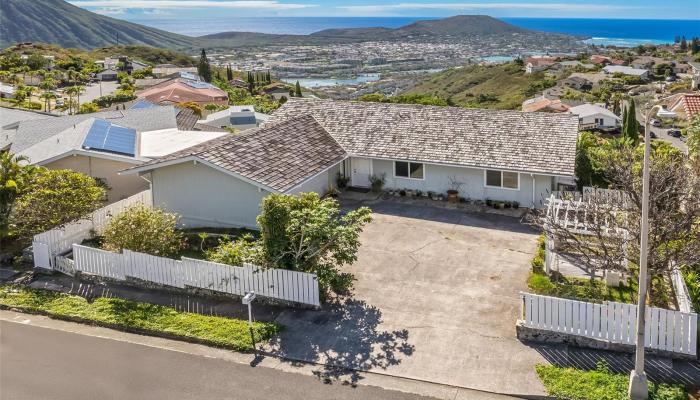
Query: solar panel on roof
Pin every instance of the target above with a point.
(104, 136)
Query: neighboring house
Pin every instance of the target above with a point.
(101, 144)
(598, 59)
(489, 154)
(171, 71)
(647, 62)
(238, 83)
(184, 90)
(615, 69)
(686, 105)
(538, 63)
(108, 75)
(238, 117)
(578, 83)
(10, 118)
(595, 116)
(544, 104)
(277, 91)
(7, 92)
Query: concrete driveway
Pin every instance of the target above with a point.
(436, 299)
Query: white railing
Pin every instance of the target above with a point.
(49, 244)
(682, 296)
(667, 330)
(299, 287)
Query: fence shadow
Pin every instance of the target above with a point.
(345, 337)
(658, 369)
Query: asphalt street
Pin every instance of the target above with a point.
(41, 363)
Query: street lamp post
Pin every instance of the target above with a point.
(639, 386)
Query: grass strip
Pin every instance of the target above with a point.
(139, 317)
(599, 384)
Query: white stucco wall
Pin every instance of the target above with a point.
(121, 186)
(607, 120)
(437, 179)
(206, 197)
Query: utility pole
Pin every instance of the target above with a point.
(639, 385)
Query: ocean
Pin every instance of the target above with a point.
(622, 32)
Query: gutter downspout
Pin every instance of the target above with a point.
(533, 190)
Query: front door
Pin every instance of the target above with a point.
(361, 170)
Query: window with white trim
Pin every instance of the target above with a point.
(502, 179)
(409, 170)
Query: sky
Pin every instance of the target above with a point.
(628, 9)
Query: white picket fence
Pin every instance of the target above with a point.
(47, 245)
(668, 330)
(299, 287)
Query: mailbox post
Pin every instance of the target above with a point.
(248, 300)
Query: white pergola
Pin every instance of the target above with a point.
(573, 212)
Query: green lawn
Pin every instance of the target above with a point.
(220, 331)
(580, 289)
(599, 384)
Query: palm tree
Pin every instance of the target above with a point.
(47, 85)
(74, 91)
(47, 96)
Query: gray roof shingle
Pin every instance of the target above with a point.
(280, 156)
(32, 132)
(500, 139)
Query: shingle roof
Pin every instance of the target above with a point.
(512, 140)
(280, 156)
(145, 119)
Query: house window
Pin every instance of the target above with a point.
(502, 179)
(410, 170)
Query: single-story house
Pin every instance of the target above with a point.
(306, 144)
(171, 71)
(686, 105)
(538, 63)
(544, 104)
(578, 83)
(102, 144)
(595, 116)
(107, 75)
(238, 117)
(184, 90)
(621, 69)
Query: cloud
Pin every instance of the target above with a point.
(112, 5)
(551, 7)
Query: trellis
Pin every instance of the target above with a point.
(573, 211)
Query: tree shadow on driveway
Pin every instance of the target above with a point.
(344, 336)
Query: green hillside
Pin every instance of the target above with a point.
(503, 86)
(58, 22)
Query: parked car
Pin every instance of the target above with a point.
(652, 135)
(671, 79)
(655, 122)
(674, 133)
(59, 102)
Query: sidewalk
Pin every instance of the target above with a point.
(222, 307)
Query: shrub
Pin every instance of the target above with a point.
(377, 182)
(144, 229)
(236, 252)
(87, 108)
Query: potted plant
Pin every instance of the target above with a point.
(341, 181)
(453, 192)
(402, 192)
(376, 182)
(516, 204)
(488, 202)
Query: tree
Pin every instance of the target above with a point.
(695, 45)
(684, 44)
(693, 134)
(309, 234)
(203, 68)
(15, 177)
(53, 199)
(47, 96)
(297, 90)
(229, 73)
(630, 127)
(586, 175)
(614, 222)
(144, 229)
